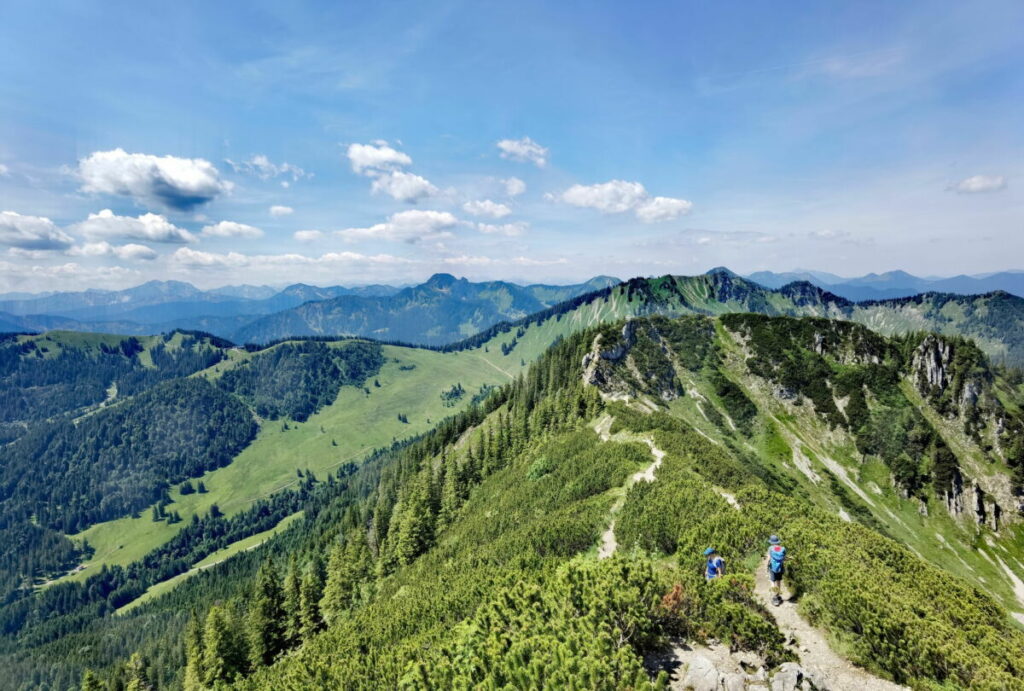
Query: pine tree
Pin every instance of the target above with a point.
(311, 592)
(415, 527)
(265, 624)
(193, 655)
(292, 619)
(223, 650)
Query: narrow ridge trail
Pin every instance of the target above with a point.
(608, 542)
(826, 667)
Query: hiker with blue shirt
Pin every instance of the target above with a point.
(776, 567)
(716, 565)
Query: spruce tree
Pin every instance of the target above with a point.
(265, 623)
(337, 591)
(193, 655)
(292, 619)
(311, 592)
(135, 674)
(90, 682)
(223, 649)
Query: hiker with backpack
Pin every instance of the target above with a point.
(715, 568)
(776, 567)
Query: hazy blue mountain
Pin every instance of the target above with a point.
(896, 284)
(442, 310)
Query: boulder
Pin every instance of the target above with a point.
(788, 677)
(701, 675)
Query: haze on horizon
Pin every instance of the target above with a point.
(322, 144)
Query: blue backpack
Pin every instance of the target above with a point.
(776, 555)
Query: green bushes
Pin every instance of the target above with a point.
(894, 612)
(582, 629)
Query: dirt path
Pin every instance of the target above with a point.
(608, 542)
(829, 670)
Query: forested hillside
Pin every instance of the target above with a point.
(469, 556)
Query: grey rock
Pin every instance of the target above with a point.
(701, 675)
(788, 677)
(734, 682)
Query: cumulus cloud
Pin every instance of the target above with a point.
(129, 252)
(618, 196)
(384, 164)
(486, 208)
(378, 157)
(662, 209)
(514, 186)
(277, 211)
(509, 229)
(178, 183)
(31, 232)
(4, 171)
(263, 168)
(980, 183)
(151, 227)
(231, 229)
(405, 226)
(525, 150)
(308, 235)
(405, 187)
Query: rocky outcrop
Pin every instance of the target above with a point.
(972, 503)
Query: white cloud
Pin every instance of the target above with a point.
(405, 187)
(178, 183)
(662, 209)
(151, 227)
(129, 252)
(230, 229)
(4, 171)
(618, 196)
(980, 183)
(524, 149)
(467, 260)
(514, 187)
(611, 197)
(377, 157)
(260, 166)
(69, 276)
(509, 229)
(532, 261)
(308, 235)
(186, 256)
(277, 211)
(486, 208)
(406, 226)
(31, 232)
(197, 258)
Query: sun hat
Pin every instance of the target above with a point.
(774, 540)
(709, 550)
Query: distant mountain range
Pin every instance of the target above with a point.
(439, 311)
(896, 284)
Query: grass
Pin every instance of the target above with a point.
(357, 422)
(251, 542)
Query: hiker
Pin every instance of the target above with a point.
(776, 567)
(716, 565)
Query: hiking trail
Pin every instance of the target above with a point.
(608, 542)
(823, 665)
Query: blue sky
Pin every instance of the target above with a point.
(381, 142)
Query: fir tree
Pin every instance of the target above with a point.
(265, 624)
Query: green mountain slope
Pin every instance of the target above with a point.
(438, 312)
(471, 556)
